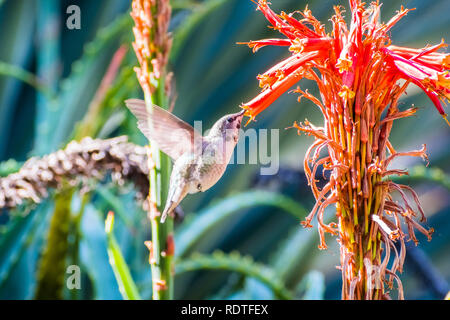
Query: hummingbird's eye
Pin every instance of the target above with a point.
(230, 120)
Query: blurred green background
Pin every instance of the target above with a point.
(264, 252)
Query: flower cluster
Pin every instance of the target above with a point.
(360, 76)
(152, 40)
(361, 54)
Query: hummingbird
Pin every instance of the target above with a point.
(199, 161)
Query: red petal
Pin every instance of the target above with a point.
(412, 69)
(268, 96)
(299, 27)
(275, 20)
(258, 44)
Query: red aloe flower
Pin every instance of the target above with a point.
(347, 52)
(358, 73)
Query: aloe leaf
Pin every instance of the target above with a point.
(18, 73)
(256, 290)
(252, 289)
(18, 19)
(184, 4)
(422, 173)
(236, 263)
(17, 237)
(106, 111)
(94, 256)
(78, 89)
(191, 233)
(20, 280)
(116, 205)
(8, 167)
(312, 286)
(48, 66)
(293, 257)
(182, 33)
(126, 284)
(13, 241)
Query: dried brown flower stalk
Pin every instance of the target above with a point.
(78, 162)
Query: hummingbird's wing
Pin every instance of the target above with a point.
(172, 135)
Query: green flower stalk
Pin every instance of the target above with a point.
(152, 46)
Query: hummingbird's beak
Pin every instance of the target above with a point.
(238, 115)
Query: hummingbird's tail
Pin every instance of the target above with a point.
(173, 200)
(170, 206)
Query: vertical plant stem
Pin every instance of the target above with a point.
(53, 262)
(152, 46)
(75, 225)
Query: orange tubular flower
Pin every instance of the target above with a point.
(349, 51)
(358, 73)
(152, 41)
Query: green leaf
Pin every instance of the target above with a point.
(47, 65)
(422, 173)
(18, 73)
(236, 263)
(126, 284)
(293, 257)
(191, 233)
(199, 12)
(94, 255)
(8, 167)
(78, 89)
(312, 286)
(184, 4)
(17, 24)
(17, 236)
(116, 205)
